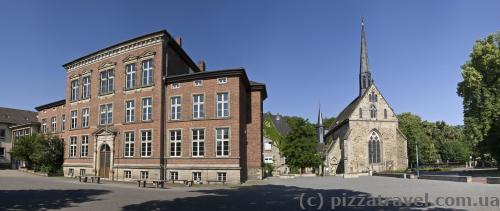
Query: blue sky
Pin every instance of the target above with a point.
(306, 52)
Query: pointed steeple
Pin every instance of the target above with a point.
(365, 78)
(321, 129)
(320, 117)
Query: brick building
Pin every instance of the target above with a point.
(143, 109)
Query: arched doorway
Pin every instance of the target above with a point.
(104, 161)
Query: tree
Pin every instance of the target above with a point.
(24, 148)
(41, 153)
(300, 144)
(480, 90)
(411, 126)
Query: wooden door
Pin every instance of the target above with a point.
(104, 161)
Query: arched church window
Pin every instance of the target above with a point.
(385, 113)
(373, 111)
(360, 113)
(374, 148)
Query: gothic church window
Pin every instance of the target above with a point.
(373, 111)
(360, 113)
(385, 113)
(374, 148)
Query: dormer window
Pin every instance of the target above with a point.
(221, 80)
(176, 85)
(198, 83)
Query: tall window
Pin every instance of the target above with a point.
(74, 90)
(175, 108)
(147, 72)
(2, 134)
(198, 106)
(130, 111)
(130, 76)
(72, 146)
(146, 141)
(44, 125)
(198, 142)
(107, 81)
(197, 176)
(360, 113)
(374, 148)
(106, 112)
(147, 109)
(175, 143)
(222, 141)
(222, 105)
(174, 175)
(74, 119)
(373, 111)
(2, 152)
(85, 117)
(129, 144)
(86, 87)
(221, 176)
(63, 122)
(53, 124)
(144, 174)
(85, 146)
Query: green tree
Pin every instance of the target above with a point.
(40, 152)
(24, 148)
(412, 127)
(300, 144)
(480, 90)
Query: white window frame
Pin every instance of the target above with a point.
(198, 106)
(268, 146)
(107, 111)
(144, 175)
(147, 72)
(175, 143)
(175, 107)
(147, 109)
(198, 83)
(107, 81)
(74, 119)
(222, 80)
(86, 87)
(63, 122)
(146, 143)
(224, 102)
(85, 117)
(268, 159)
(53, 124)
(72, 146)
(130, 75)
(196, 175)
(173, 175)
(127, 174)
(198, 142)
(221, 176)
(130, 111)
(44, 125)
(129, 145)
(175, 86)
(84, 150)
(223, 142)
(74, 90)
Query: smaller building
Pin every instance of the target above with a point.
(9, 120)
(275, 130)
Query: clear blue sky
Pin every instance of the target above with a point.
(305, 51)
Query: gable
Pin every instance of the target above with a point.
(378, 102)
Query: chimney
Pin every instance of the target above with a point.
(178, 40)
(202, 66)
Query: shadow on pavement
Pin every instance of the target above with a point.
(45, 199)
(279, 198)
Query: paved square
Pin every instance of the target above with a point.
(22, 191)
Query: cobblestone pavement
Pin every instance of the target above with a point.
(23, 191)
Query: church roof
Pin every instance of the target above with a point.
(344, 115)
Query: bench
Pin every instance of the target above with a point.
(159, 183)
(141, 183)
(95, 178)
(184, 181)
(216, 181)
(82, 178)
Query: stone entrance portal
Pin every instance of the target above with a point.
(105, 161)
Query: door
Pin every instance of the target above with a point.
(104, 161)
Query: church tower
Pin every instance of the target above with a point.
(321, 129)
(365, 76)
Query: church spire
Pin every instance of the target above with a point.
(365, 78)
(321, 129)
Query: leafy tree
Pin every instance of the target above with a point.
(270, 131)
(42, 153)
(328, 122)
(24, 148)
(411, 126)
(480, 92)
(300, 144)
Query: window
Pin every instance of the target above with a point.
(176, 85)
(175, 108)
(385, 113)
(72, 146)
(2, 134)
(85, 146)
(373, 97)
(130, 76)
(86, 87)
(53, 124)
(197, 176)
(360, 113)
(82, 172)
(198, 83)
(374, 148)
(147, 109)
(106, 116)
(221, 176)
(71, 172)
(130, 111)
(268, 146)
(174, 175)
(222, 141)
(147, 72)
(373, 111)
(222, 80)
(74, 119)
(144, 174)
(63, 122)
(74, 90)
(198, 106)
(146, 140)
(107, 81)
(129, 144)
(222, 105)
(268, 159)
(175, 143)
(128, 174)
(2, 152)
(44, 125)
(198, 142)
(85, 117)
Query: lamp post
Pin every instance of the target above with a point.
(416, 151)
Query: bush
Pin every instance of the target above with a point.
(41, 153)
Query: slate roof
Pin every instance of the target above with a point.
(51, 105)
(280, 124)
(17, 116)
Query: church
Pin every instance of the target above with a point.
(365, 135)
